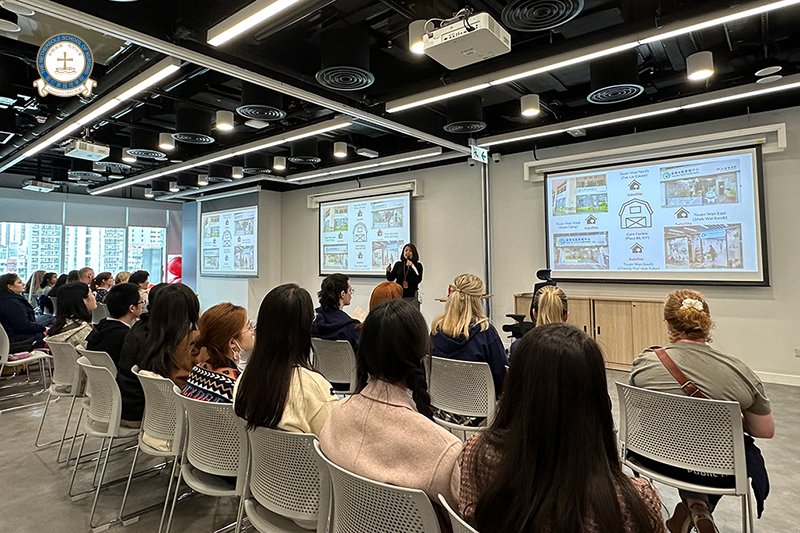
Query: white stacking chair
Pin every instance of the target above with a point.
(695, 434)
(99, 359)
(54, 299)
(36, 357)
(462, 388)
(458, 523)
(102, 421)
(336, 361)
(361, 504)
(99, 313)
(163, 419)
(215, 448)
(284, 482)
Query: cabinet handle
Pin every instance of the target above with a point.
(584, 329)
(598, 330)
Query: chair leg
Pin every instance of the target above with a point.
(102, 475)
(169, 488)
(174, 498)
(74, 436)
(750, 512)
(66, 428)
(128, 484)
(41, 422)
(97, 462)
(77, 463)
(240, 514)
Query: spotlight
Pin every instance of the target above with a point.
(173, 186)
(340, 150)
(202, 180)
(279, 162)
(237, 173)
(529, 105)
(700, 66)
(165, 141)
(415, 32)
(128, 158)
(148, 193)
(224, 120)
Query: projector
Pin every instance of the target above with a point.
(39, 186)
(86, 150)
(465, 42)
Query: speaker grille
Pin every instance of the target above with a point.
(539, 15)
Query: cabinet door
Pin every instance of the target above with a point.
(613, 331)
(649, 328)
(522, 305)
(580, 314)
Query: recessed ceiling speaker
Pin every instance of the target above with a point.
(465, 115)
(256, 163)
(193, 126)
(82, 170)
(539, 15)
(305, 152)
(259, 103)
(143, 145)
(615, 79)
(345, 60)
(218, 173)
(187, 180)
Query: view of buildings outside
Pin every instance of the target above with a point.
(25, 248)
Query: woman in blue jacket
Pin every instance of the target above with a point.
(17, 315)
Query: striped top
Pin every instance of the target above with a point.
(211, 384)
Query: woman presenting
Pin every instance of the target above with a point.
(407, 273)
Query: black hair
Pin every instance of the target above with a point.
(8, 279)
(71, 306)
(414, 252)
(140, 276)
(73, 276)
(46, 277)
(394, 340)
(173, 317)
(555, 418)
(152, 294)
(331, 291)
(60, 282)
(283, 342)
(120, 298)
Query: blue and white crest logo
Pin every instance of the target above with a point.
(65, 63)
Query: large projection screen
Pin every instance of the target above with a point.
(362, 236)
(229, 242)
(689, 219)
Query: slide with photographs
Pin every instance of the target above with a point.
(229, 242)
(361, 236)
(658, 220)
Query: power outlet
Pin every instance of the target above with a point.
(797, 351)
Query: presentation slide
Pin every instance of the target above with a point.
(361, 236)
(689, 219)
(229, 242)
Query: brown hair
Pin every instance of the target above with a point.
(216, 327)
(388, 290)
(99, 279)
(684, 318)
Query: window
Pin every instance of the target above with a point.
(146, 250)
(103, 249)
(25, 248)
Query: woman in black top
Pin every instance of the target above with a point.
(407, 273)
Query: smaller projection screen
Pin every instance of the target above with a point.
(229, 242)
(688, 219)
(362, 236)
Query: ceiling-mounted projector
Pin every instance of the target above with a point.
(467, 41)
(86, 150)
(38, 186)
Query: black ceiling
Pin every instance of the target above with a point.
(292, 47)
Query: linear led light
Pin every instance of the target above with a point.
(383, 161)
(289, 136)
(243, 20)
(739, 96)
(580, 56)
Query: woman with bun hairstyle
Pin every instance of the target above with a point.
(720, 377)
(100, 285)
(407, 273)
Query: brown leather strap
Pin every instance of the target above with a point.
(689, 388)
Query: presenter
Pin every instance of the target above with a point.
(407, 273)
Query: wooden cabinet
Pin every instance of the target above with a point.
(580, 313)
(613, 331)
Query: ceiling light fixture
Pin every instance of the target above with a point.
(202, 180)
(237, 173)
(363, 165)
(700, 66)
(166, 142)
(415, 32)
(224, 120)
(241, 21)
(529, 105)
(340, 150)
(173, 186)
(19, 9)
(279, 163)
(769, 71)
(148, 192)
(126, 157)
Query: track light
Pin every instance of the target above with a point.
(148, 193)
(415, 32)
(529, 105)
(202, 180)
(241, 21)
(700, 66)
(237, 173)
(224, 120)
(126, 157)
(173, 186)
(279, 163)
(340, 150)
(166, 142)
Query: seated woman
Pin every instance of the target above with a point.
(549, 460)
(33, 287)
(719, 376)
(122, 277)
(100, 285)
(48, 281)
(297, 398)
(141, 278)
(549, 306)
(386, 430)
(331, 322)
(463, 332)
(17, 315)
(73, 316)
(387, 290)
(224, 332)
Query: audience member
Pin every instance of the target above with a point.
(48, 281)
(463, 332)
(122, 277)
(46, 311)
(331, 323)
(549, 307)
(719, 376)
(73, 316)
(86, 275)
(386, 430)
(297, 398)
(17, 315)
(387, 290)
(60, 282)
(101, 284)
(549, 460)
(33, 287)
(72, 276)
(223, 332)
(124, 307)
(141, 278)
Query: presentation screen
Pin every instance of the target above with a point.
(229, 242)
(362, 236)
(689, 219)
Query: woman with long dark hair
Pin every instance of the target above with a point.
(74, 315)
(297, 398)
(549, 460)
(386, 430)
(407, 272)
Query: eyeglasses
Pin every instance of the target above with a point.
(141, 302)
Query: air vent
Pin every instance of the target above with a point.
(219, 173)
(465, 115)
(255, 163)
(261, 104)
(539, 15)
(615, 79)
(146, 153)
(193, 126)
(143, 145)
(82, 170)
(305, 152)
(345, 60)
(113, 166)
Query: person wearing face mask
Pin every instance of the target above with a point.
(331, 322)
(407, 273)
(224, 332)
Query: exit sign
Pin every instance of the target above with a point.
(481, 155)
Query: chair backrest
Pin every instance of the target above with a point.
(105, 402)
(99, 313)
(463, 388)
(284, 474)
(691, 433)
(54, 299)
(99, 359)
(335, 360)
(65, 360)
(458, 523)
(217, 442)
(163, 412)
(361, 504)
(5, 345)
